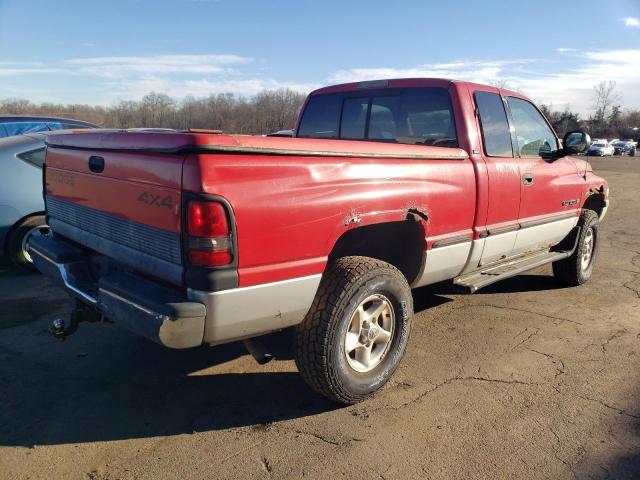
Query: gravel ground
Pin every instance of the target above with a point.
(525, 379)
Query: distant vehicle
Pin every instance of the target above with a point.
(18, 124)
(631, 141)
(21, 203)
(621, 147)
(601, 148)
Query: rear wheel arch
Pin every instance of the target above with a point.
(399, 243)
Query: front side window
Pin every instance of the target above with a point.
(535, 137)
(415, 116)
(34, 157)
(495, 126)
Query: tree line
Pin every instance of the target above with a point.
(266, 112)
(272, 110)
(608, 120)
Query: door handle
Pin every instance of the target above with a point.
(527, 179)
(96, 164)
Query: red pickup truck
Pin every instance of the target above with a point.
(192, 238)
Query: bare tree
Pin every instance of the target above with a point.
(605, 96)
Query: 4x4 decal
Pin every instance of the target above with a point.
(157, 200)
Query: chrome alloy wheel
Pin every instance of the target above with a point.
(587, 249)
(370, 333)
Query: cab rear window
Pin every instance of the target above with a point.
(415, 116)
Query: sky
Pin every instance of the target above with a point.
(103, 51)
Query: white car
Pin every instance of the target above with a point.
(601, 148)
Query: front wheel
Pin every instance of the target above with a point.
(578, 268)
(357, 330)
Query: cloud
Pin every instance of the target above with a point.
(113, 67)
(631, 22)
(15, 71)
(134, 89)
(563, 87)
(471, 70)
(565, 78)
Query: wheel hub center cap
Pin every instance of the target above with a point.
(372, 333)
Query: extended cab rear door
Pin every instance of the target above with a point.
(503, 172)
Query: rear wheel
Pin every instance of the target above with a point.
(19, 240)
(355, 335)
(577, 269)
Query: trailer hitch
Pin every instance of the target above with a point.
(61, 329)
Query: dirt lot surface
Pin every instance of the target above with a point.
(525, 379)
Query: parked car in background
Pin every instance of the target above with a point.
(631, 141)
(18, 124)
(621, 147)
(601, 148)
(21, 203)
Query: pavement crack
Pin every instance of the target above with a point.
(451, 380)
(554, 359)
(599, 401)
(496, 380)
(266, 464)
(326, 439)
(633, 289)
(556, 454)
(613, 336)
(527, 338)
(560, 320)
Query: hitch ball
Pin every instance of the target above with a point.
(57, 329)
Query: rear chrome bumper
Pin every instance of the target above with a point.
(144, 307)
(166, 316)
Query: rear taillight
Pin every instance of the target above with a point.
(209, 236)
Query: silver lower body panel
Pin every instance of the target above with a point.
(246, 312)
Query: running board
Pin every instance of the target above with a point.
(494, 273)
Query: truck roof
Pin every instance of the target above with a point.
(406, 83)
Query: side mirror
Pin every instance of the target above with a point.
(576, 142)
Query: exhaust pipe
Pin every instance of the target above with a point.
(258, 350)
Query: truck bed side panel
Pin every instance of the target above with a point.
(290, 210)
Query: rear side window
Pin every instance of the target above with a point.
(321, 117)
(495, 127)
(417, 116)
(535, 137)
(34, 157)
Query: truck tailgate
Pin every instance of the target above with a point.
(124, 204)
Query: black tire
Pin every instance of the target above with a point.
(16, 241)
(572, 270)
(319, 341)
